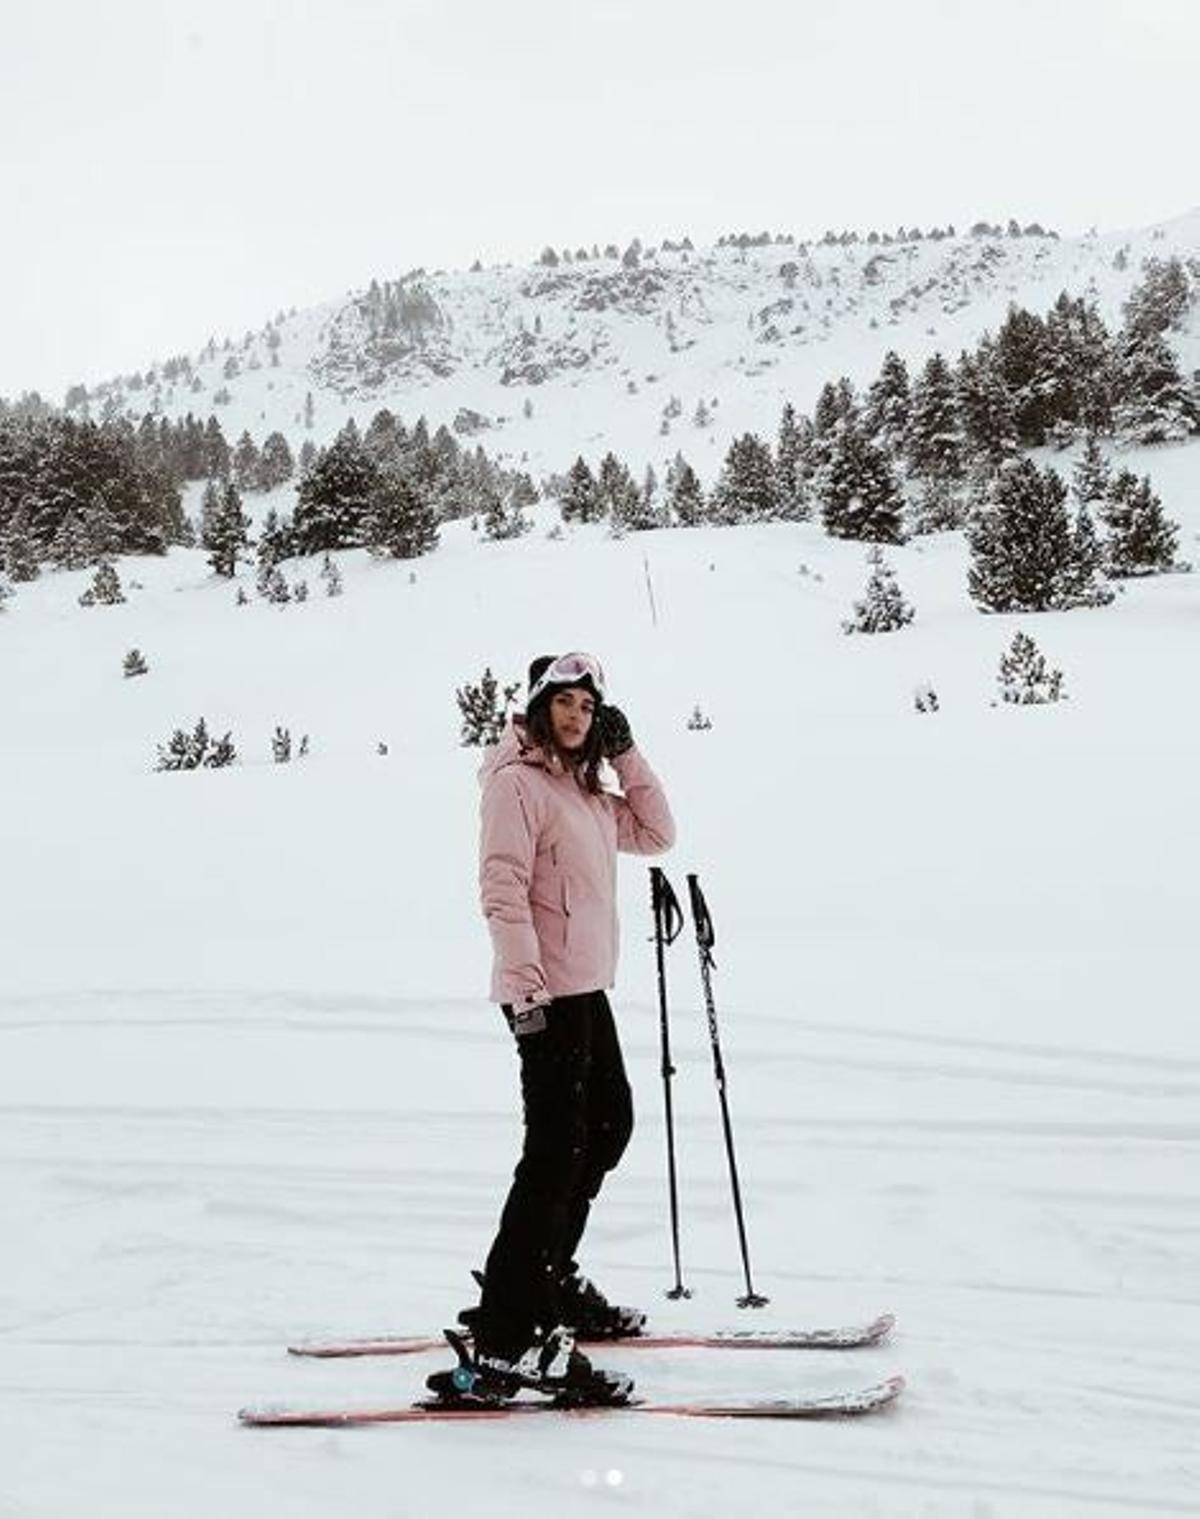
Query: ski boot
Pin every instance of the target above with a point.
(589, 1313)
(551, 1365)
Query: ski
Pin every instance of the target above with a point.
(866, 1400)
(849, 1338)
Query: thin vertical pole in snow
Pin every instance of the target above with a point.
(650, 590)
(705, 941)
(668, 925)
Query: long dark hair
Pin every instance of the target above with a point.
(584, 761)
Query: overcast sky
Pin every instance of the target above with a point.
(178, 170)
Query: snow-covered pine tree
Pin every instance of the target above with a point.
(837, 407)
(1079, 368)
(933, 440)
(275, 539)
(228, 533)
(331, 576)
(1154, 402)
(1142, 540)
(580, 500)
(501, 518)
(1024, 555)
(281, 745)
(105, 589)
(883, 608)
(247, 463)
(746, 489)
(18, 551)
(857, 489)
(190, 751)
(6, 590)
(484, 710)
(1092, 476)
(1085, 585)
(403, 523)
(887, 403)
(134, 664)
(335, 498)
(986, 408)
(1025, 678)
(685, 495)
(1160, 302)
(617, 493)
(791, 494)
(271, 584)
(941, 506)
(1020, 354)
(276, 465)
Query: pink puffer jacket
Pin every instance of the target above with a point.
(548, 867)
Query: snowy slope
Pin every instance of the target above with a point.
(250, 1088)
(600, 353)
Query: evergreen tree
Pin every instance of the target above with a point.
(1024, 554)
(276, 542)
(18, 552)
(335, 500)
(933, 442)
(887, 404)
(216, 451)
(105, 589)
(228, 532)
(1142, 539)
(580, 500)
(1161, 301)
(1020, 352)
(857, 490)
(1085, 584)
(276, 465)
(247, 463)
(484, 710)
(403, 522)
(836, 408)
(5, 591)
(791, 495)
(985, 408)
(1154, 405)
(1092, 475)
(746, 490)
(332, 577)
(501, 519)
(134, 664)
(618, 495)
(1079, 375)
(685, 495)
(883, 608)
(1025, 678)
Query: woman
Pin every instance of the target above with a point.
(549, 839)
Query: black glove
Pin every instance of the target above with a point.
(615, 734)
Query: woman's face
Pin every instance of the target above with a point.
(571, 714)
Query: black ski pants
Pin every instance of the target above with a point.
(578, 1119)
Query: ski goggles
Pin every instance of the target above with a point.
(570, 670)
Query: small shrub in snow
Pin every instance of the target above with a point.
(300, 590)
(135, 664)
(925, 698)
(303, 749)
(272, 586)
(332, 577)
(191, 751)
(5, 592)
(281, 746)
(381, 748)
(483, 712)
(241, 599)
(1025, 679)
(105, 589)
(698, 723)
(883, 608)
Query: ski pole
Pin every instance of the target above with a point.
(668, 925)
(705, 941)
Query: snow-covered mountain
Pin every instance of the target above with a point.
(646, 353)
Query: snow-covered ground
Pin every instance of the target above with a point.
(251, 1090)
